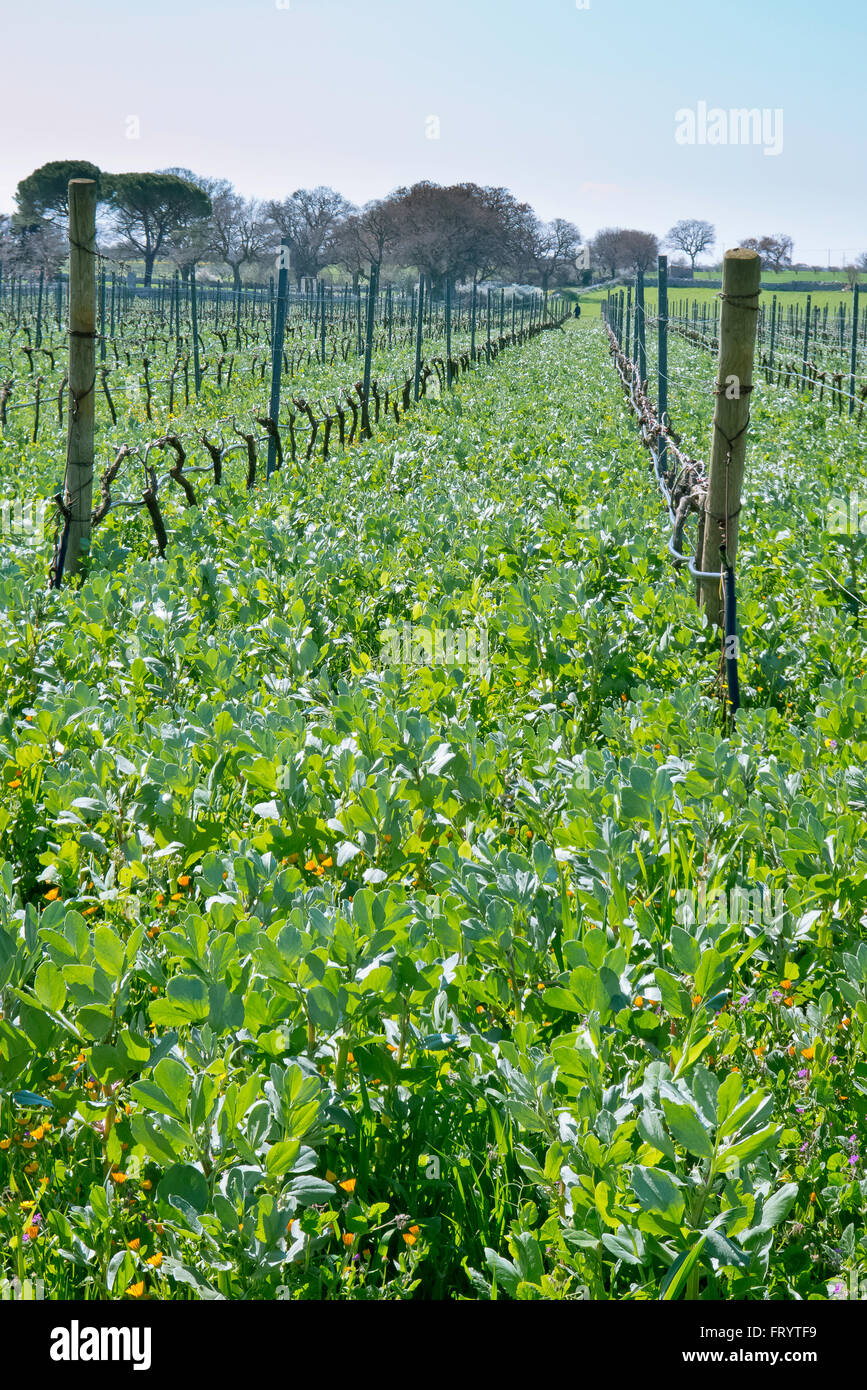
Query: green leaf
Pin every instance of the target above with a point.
(281, 1157)
(687, 1129)
(50, 986)
(657, 1192)
(679, 1271)
(675, 1001)
(184, 1181)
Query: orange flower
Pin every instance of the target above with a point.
(311, 865)
(808, 1052)
(31, 1231)
(480, 1008)
(844, 1022)
(326, 861)
(119, 1177)
(696, 999)
(812, 1196)
(161, 897)
(791, 1050)
(5, 1143)
(38, 1133)
(134, 1244)
(758, 1050)
(135, 1290)
(387, 839)
(52, 894)
(14, 784)
(347, 1238)
(31, 1167)
(177, 897)
(789, 1001)
(785, 984)
(155, 1260)
(184, 881)
(147, 1184)
(348, 1185)
(89, 911)
(638, 1001)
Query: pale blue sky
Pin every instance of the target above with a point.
(573, 109)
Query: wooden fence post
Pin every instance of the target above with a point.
(78, 483)
(728, 445)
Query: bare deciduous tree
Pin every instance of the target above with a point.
(691, 236)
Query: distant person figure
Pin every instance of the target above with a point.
(577, 310)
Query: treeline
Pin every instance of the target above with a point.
(464, 232)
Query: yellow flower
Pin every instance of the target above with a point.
(155, 1260)
(16, 783)
(177, 897)
(134, 1244)
(311, 864)
(329, 1176)
(31, 1167)
(135, 1290)
(147, 1184)
(808, 1052)
(5, 1143)
(38, 1132)
(326, 861)
(348, 1185)
(52, 894)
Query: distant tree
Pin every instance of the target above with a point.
(240, 232)
(459, 232)
(309, 221)
(365, 238)
(550, 249)
(691, 236)
(44, 196)
(640, 249)
(191, 243)
(28, 248)
(147, 209)
(861, 261)
(775, 251)
(608, 249)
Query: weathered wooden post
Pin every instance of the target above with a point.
(78, 483)
(448, 331)
(728, 445)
